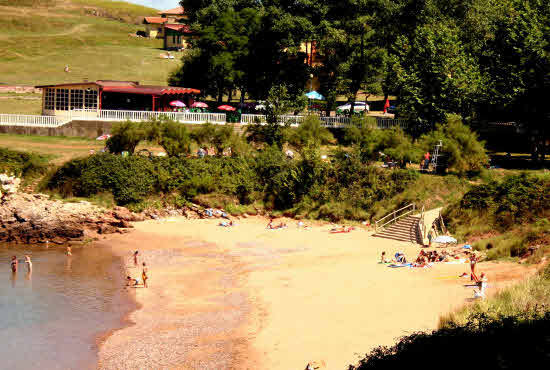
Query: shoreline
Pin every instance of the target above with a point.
(298, 296)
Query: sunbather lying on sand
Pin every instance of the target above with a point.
(226, 224)
(400, 257)
(383, 258)
(131, 281)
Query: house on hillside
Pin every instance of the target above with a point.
(171, 25)
(154, 27)
(92, 97)
(177, 36)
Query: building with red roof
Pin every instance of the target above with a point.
(60, 100)
(171, 25)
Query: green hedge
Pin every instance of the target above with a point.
(281, 184)
(21, 163)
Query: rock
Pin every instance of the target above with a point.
(107, 229)
(122, 213)
(34, 218)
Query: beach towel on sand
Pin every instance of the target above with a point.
(395, 265)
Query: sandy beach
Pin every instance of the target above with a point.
(250, 298)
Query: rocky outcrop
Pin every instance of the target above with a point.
(35, 218)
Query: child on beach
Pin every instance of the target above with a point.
(131, 281)
(69, 251)
(482, 285)
(14, 264)
(144, 275)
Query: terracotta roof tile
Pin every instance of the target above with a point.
(155, 20)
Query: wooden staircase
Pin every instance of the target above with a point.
(406, 230)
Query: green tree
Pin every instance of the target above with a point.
(172, 136)
(279, 102)
(309, 135)
(126, 136)
(462, 152)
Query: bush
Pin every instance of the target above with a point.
(22, 164)
(126, 136)
(461, 152)
(172, 136)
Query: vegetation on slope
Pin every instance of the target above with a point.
(25, 165)
(506, 216)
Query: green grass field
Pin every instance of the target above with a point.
(37, 42)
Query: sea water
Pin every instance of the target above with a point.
(53, 317)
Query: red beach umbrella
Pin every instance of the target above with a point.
(386, 105)
(227, 108)
(177, 103)
(199, 104)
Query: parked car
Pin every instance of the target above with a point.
(392, 109)
(360, 106)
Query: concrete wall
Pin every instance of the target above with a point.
(87, 129)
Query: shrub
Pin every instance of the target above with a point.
(461, 152)
(126, 136)
(172, 136)
(21, 163)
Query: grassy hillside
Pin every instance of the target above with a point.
(40, 37)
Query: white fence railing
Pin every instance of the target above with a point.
(123, 115)
(192, 118)
(30, 120)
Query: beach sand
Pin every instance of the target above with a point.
(250, 298)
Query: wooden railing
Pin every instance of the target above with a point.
(30, 120)
(394, 216)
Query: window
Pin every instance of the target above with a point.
(62, 99)
(90, 102)
(49, 99)
(77, 99)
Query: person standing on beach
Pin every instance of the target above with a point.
(144, 275)
(136, 258)
(69, 252)
(473, 261)
(14, 264)
(29, 263)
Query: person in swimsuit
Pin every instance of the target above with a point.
(136, 258)
(29, 263)
(14, 264)
(69, 251)
(131, 281)
(144, 275)
(473, 261)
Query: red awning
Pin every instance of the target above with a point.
(150, 90)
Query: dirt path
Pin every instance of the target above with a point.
(247, 297)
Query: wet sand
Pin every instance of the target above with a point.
(250, 298)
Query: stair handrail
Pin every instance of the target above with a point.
(442, 224)
(395, 217)
(422, 225)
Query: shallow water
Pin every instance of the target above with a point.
(51, 318)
